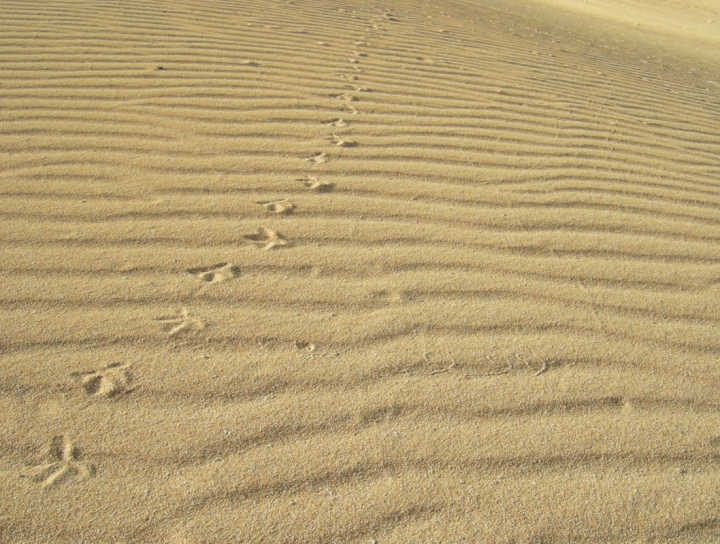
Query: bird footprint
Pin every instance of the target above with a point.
(312, 183)
(336, 140)
(347, 97)
(112, 380)
(317, 158)
(185, 322)
(305, 345)
(336, 123)
(280, 207)
(216, 273)
(359, 89)
(63, 463)
(267, 239)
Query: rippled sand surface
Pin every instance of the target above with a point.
(374, 271)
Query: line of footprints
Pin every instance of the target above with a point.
(115, 380)
(61, 456)
(349, 98)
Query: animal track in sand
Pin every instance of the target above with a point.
(110, 381)
(352, 109)
(359, 54)
(216, 273)
(305, 345)
(336, 123)
(280, 207)
(314, 184)
(267, 239)
(347, 97)
(63, 463)
(386, 296)
(342, 143)
(249, 63)
(359, 89)
(353, 61)
(318, 158)
(184, 323)
(351, 77)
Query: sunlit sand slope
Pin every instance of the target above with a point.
(374, 271)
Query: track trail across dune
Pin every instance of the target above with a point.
(394, 272)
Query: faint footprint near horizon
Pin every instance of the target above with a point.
(346, 97)
(340, 123)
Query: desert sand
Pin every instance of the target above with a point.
(378, 271)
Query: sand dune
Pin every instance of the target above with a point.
(309, 271)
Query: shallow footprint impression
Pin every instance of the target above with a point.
(280, 207)
(216, 273)
(318, 158)
(336, 123)
(110, 381)
(336, 140)
(312, 183)
(183, 323)
(63, 463)
(267, 239)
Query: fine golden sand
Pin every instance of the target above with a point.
(410, 271)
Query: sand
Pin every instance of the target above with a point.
(372, 271)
